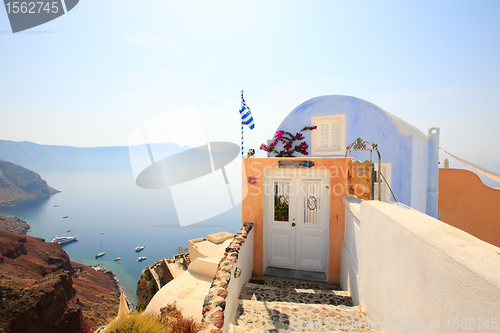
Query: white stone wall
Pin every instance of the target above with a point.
(417, 274)
(350, 248)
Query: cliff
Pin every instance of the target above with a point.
(152, 279)
(36, 292)
(39, 287)
(98, 292)
(13, 224)
(18, 183)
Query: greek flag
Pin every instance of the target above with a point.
(246, 115)
(246, 118)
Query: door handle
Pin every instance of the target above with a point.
(293, 224)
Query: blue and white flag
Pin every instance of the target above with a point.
(246, 115)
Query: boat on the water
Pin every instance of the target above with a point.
(141, 258)
(118, 258)
(139, 248)
(69, 230)
(63, 240)
(65, 216)
(100, 254)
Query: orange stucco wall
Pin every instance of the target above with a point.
(252, 207)
(467, 204)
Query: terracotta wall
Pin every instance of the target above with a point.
(467, 204)
(252, 207)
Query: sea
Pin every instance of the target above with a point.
(107, 210)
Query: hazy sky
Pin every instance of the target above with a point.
(92, 76)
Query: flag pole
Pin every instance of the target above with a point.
(241, 129)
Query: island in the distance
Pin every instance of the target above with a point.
(18, 183)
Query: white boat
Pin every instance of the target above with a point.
(141, 258)
(100, 254)
(63, 240)
(118, 258)
(139, 248)
(65, 216)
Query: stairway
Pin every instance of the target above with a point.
(277, 304)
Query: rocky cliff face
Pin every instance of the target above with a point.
(18, 183)
(36, 287)
(152, 279)
(13, 224)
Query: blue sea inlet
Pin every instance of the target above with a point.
(108, 208)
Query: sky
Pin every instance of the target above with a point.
(94, 75)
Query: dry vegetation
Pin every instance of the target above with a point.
(169, 321)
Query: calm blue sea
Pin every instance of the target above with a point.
(109, 202)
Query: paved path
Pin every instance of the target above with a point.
(276, 304)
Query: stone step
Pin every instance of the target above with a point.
(242, 329)
(270, 293)
(257, 316)
(283, 282)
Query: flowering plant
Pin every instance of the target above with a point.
(288, 140)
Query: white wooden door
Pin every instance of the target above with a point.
(296, 215)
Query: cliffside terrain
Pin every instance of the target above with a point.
(152, 279)
(18, 183)
(98, 292)
(39, 285)
(13, 224)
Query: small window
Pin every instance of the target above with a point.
(281, 201)
(329, 137)
(386, 182)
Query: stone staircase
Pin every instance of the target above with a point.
(277, 304)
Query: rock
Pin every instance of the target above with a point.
(36, 287)
(18, 183)
(13, 224)
(152, 279)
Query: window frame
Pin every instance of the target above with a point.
(387, 172)
(316, 134)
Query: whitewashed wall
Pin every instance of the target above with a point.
(350, 248)
(418, 274)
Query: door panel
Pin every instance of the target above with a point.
(311, 250)
(282, 247)
(296, 216)
(281, 234)
(311, 238)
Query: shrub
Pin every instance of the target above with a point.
(153, 288)
(169, 321)
(172, 318)
(141, 307)
(136, 322)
